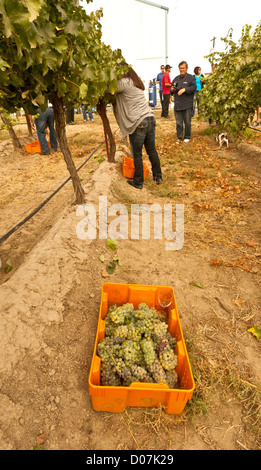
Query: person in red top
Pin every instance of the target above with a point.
(166, 84)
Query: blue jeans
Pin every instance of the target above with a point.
(195, 101)
(183, 117)
(85, 114)
(46, 118)
(144, 134)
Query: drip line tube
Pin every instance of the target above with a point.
(20, 224)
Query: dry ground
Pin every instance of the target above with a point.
(50, 298)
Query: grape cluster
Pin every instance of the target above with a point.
(137, 347)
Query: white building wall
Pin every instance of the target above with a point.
(137, 29)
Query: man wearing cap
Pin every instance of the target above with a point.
(166, 85)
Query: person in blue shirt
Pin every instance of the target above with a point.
(198, 77)
(158, 80)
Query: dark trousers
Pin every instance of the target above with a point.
(165, 105)
(161, 100)
(70, 115)
(40, 123)
(144, 134)
(183, 117)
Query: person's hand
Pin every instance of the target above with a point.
(180, 92)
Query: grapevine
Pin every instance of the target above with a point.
(137, 347)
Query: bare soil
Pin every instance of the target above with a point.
(50, 298)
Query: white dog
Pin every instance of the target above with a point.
(222, 139)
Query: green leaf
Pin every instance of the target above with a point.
(60, 44)
(111, 267)
(255, 331)
(72, 28)
(113, 86)
(83, 90)
(117, 258)
(102, 259)
(34, 6)
(112, 244)
(62, 88)
(100, 160)
(3, 64)
(9, 266)
(197, 284)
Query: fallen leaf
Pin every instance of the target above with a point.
(104, 274)
(238, 302)
(250, 243)
(41, 439)
(112, 244)
(197, 284)
(102, 259)
(111, 267)
(9, 266)
(216, 262)
(255, 331)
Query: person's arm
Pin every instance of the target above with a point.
(166, 81)
(191, 88)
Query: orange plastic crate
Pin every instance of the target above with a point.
(35, 147)
(128, 168)
(117, 399)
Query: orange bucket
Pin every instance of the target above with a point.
(128, 168)
(35, 147)
(117, 398)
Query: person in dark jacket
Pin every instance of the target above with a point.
(183, 87)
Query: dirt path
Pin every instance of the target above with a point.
(50, 303)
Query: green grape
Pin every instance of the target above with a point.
(137, 347)
(143, 306)
(163, 316)
(159, 330)
(120, 333)
(133, 333)
(130, 352)
(148, 350)
(172, 378)
(167, 357)
(109, 376)
(172, 341)
(123, 371)
(157, 372)
(139, 374)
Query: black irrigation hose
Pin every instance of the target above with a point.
(4, 237)
(254, 129)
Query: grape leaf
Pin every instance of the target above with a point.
(112, 244)
(255, 331)
(111, 267)
(197, 284)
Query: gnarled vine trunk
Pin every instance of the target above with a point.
(16, 142)
(111, 148)
(29, 127)
(60, 128)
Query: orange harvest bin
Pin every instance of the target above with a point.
(35, 147)
(128, 168)
(118, 398)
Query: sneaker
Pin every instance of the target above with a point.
(46, 153)
(186, 140)
(135, 185)
(178, 141)
(256, 124)
(159, 180)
